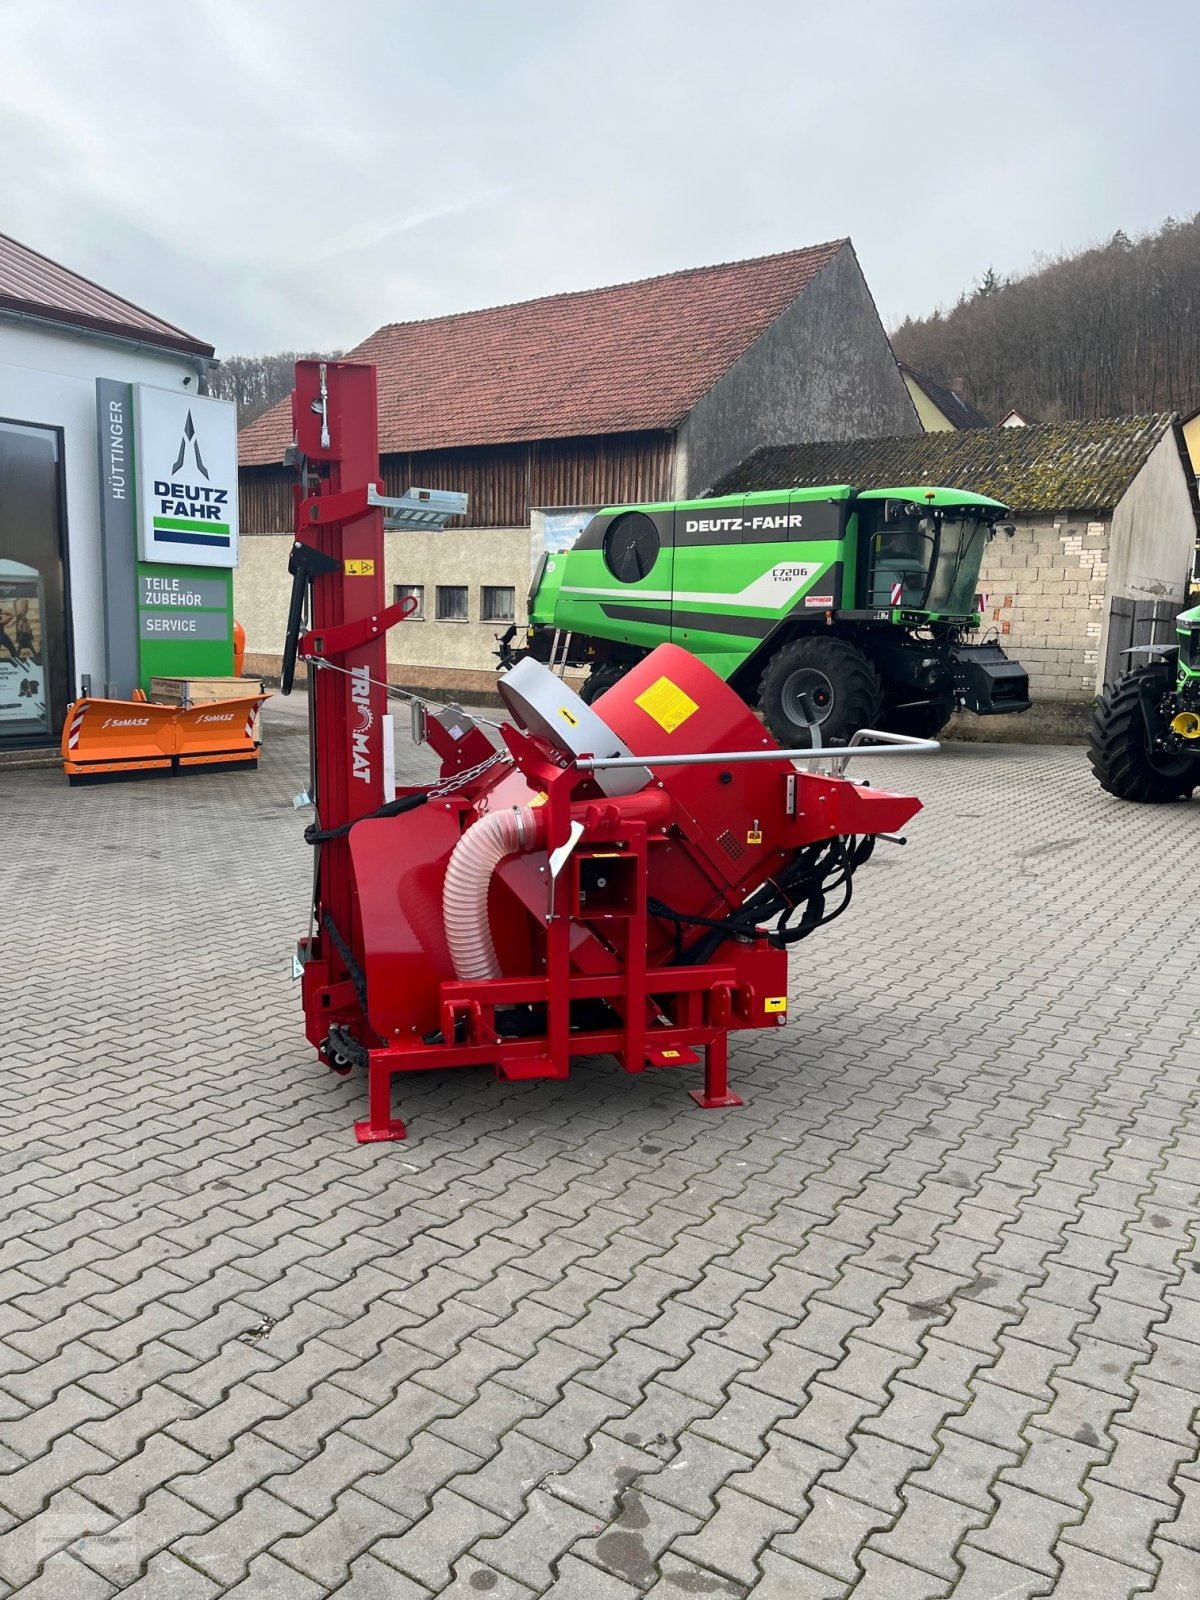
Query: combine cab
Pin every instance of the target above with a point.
(830, 609)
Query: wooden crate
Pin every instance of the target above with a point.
(201, 691)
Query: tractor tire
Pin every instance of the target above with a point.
(597, 681)
(1119, 747)
(838, 681)
(920, 721)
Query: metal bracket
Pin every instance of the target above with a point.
(323, 643)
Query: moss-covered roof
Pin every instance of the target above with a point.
(1049, 466)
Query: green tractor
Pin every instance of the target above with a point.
(830, 609)
(1145, 736)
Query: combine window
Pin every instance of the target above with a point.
(631, 547)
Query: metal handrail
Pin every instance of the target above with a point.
(890, 744)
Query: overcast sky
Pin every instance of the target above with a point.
(276, 174)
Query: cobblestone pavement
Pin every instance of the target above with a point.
(922, 1319)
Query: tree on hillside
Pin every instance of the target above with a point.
(1111, 329)
(257, 382)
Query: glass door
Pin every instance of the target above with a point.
(34, 663)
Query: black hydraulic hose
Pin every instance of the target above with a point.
(393, 808)
(802, 888)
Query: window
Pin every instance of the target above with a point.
(451, 603)
(403, 591)
(497, 604)
(631, 547)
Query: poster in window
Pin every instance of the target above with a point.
(23, 705)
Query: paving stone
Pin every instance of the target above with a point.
(730, 1541)
(1087, 1576)
(1178, 1575)
(168, 1578)
(989, 1577)
(429, 1548)
(225, 1551)
(219, 1487)
(874, 1472)
(64, 1578)
(28, 1545)
(632, 1544)
(409, 1484)
(1024, 1529)
(372, 1579)
(330, 1547)
(124, 1489)
(1119, 1524)
(579, 1580)
(26, 1490)
(315, 1486)
(887, 1579)
(472, 1578)
(927, 1532)
(269, 1579)
(123, 1552)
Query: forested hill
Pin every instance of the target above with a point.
(1108, 331)
(257, 382)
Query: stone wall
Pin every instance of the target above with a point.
(1046, 588)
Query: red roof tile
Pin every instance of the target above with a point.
(618, 360)
(32, 283)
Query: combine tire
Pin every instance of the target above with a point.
(920, 721)
(831, 676)
(1120, 747)
(597, 681)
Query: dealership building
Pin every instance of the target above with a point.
(118, 517)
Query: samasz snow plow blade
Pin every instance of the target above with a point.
(107, 740)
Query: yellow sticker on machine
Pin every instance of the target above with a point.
(776, 1003)
(667, 704)
(568, 717)
(359, 569)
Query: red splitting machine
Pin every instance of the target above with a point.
(622, 878)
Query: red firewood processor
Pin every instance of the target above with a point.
(619, 879)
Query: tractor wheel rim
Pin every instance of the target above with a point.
(1172, 765)
(807, 683)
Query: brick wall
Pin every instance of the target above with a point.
(1046, 591)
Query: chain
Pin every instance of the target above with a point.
(458, 779)
(403, 694)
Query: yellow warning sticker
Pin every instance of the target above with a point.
(754, 836)
(538, 800)
(359, 569)
(667, 704)
(568, 716)
(776, 1003)
(669, 1055)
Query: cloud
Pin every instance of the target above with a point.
(286, 173)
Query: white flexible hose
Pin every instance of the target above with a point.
(468, 876)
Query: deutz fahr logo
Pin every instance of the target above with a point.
(178, 498)
(360, 699)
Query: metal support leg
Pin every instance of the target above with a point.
(380, 1123)
(716, 1090)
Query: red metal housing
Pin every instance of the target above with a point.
(603, 920)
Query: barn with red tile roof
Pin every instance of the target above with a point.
(639, 391)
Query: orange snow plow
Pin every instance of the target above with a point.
(113, 739)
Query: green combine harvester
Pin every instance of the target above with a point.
(829, 609)
(1145, 737)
